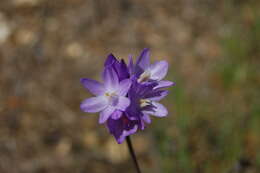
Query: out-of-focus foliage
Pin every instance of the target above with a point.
(214, 50)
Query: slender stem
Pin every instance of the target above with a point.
(132, 152)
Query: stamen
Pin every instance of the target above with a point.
(110, 94)
(112, 97)
(145, 102)
(145, 76)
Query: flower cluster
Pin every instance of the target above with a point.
(129, 94)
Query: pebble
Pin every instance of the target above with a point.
(5, 29)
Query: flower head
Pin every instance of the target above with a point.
(144, 102)
(110, 96)
(128, 95)
(144, 71)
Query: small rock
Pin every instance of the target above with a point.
(5, 29)
(74, 50)
(64, 147)
(24, 36)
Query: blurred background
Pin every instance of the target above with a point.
(213, 47)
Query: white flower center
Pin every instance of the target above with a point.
(112, 98)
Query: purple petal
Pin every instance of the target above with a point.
(105, 114)
(122, 127)
(94, 104)
(142, 125)
(148, 91)
(122, 70)
(111, 59)
(119, 67)
(124, 86)
(117, 114)
(110, 78)
(123, 103)
(159, 70)
(133, 111)
(144, 59)
(146, 118)
(130, 64)
(93, 86)
(164, 84)
(159, 110)
(160, 96)
(126, 133)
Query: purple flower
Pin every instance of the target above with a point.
(129, 95)
(144, 102)
(146, 72)
(109, 97)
